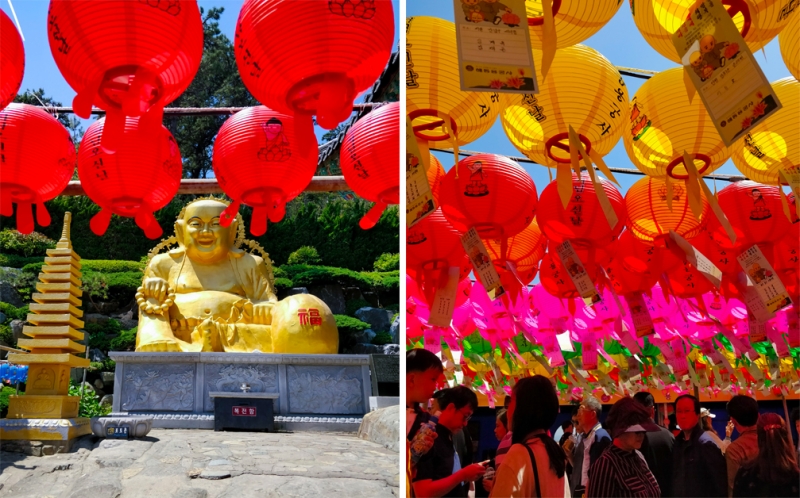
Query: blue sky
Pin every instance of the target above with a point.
(620, 42)
(41, 70)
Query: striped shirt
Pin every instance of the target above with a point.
(621, 473)
(502, 449)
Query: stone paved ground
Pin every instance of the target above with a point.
(174, 463)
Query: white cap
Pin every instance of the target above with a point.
(704, 412)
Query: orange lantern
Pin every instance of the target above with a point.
(664, 124)
(789, 41)
(435, 174)
(649, 218)
(524, 251)
(583, 90)
(433, 90)
(493, 194)
(574, 20)
(773, 143)
(368, 158)
(38, 159)
(583, 220)
(12, 60)
(755, 213)
(759, 21)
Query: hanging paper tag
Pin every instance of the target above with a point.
(602, 198)
(679, 361)
(752, 301)
(776, 339)
(551, 349)
(756, 331)
(419, 198)
(734, 89)
(642, 322)
(769, 287)
(482, 263)
(572, 263)
(444, 300)
(698, 259)
(494, 47)
(564, 342)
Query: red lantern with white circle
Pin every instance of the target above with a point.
(141, 177)
(755, 212)
(583, 221)
(38, 159)
(12, 60)
(369, 160)
(258, 162)
(491, 193)
(313, 57)
(129, 58)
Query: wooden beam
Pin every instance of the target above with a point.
(210, 186)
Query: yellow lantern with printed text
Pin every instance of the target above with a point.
(433, 88)
(789, 41)
(583, 90)
(774, 143)
(663, 124)
(574, 20)
(759, 21)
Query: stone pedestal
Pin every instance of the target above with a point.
(42, 436)
(315, 392)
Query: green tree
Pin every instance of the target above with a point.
(217, 84)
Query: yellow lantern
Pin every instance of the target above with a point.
(789, 41)
(433, 87)
(574, 20)
(759, 21)
(663, 124)
(774, 143)
(583, 90)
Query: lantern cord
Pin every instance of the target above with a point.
(644, 74)
(624, 171)
(14, 12)
(206, 111)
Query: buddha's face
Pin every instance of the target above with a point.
(205, 240)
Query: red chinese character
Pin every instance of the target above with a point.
(302, 314)
(313, 313)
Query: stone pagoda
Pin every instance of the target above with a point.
(46, 412)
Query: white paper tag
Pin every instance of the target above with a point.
(577, 273)
(769, 287)
(444, 300)
(698, 259)
(419, 199)
(482, 263)
(642, 322)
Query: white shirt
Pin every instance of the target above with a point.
(586, 447)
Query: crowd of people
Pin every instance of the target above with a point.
(627, 455)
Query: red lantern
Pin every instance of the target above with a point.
(627, 282)
(313, 57)
(650, 219)
(492, 193)
(756, 213)
(369, 160)
(129, 58)
(685, 281)
(258, 162)
(724, 259)
(432, 246)
(556, 279)
(583, 221)
(141, 177)
(12, 60)
(38, 159)
(524, 251)
(435, 174)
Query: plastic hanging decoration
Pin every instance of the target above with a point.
(129, 58)
(663, 124)
(12, 60)
(141, 177)
(368, 159)
(583, 90)
(433, 92)
(258, 162)
(344, 46)
(31, 173)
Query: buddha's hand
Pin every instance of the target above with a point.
(155, 296)
(258, 313)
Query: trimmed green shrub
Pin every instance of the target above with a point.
(387, 262)
(305, 275)
(12, 312)
(111, 266)
(125, 342)
(354, 305)
(14, 261)
(33, 244)
(348, 327)
(382, 338)
(34, 268)
(5, 392)
(107, 365)
(306, 255)
(283, 284)
(99, 333)
(7, 336)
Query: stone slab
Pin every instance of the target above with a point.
(40, 437)
(378, 402)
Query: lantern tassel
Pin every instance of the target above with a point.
(229, 214)
(24, 217)
(258, 223)
(146, 220)
(82, 103)
(276, 210)
(99, 222)
(42, 216)
(373, 215)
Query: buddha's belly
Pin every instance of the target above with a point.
(190, 309)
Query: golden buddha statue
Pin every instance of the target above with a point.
(209, 294)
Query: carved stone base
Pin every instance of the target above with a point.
(138, 426)
(46, 407)
(42, 436)
(174, 388)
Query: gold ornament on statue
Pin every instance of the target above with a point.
(210, 294)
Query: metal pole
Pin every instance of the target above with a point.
(17, 388)
(84, 370)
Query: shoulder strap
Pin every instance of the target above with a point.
(535, 469)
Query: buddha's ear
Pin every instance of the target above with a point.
(180, 225)
(233, 230)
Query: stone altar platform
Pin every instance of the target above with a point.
(315, 392)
